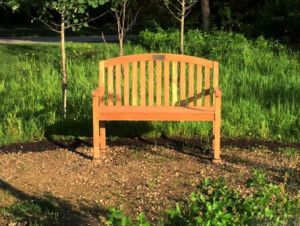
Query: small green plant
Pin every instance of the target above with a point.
(216, 204)
(117, 218)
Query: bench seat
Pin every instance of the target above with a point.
(172, 113)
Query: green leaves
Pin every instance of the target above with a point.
(215, 204)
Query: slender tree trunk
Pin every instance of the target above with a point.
(182, 27)
(63, 67)
(121, 44)
(205, 14)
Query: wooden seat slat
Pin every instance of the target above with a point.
(150, 84)
(166, 83)
(118, 85)
(158, 82)
(207, 86)
(143, 83)
(191, 83)
(110, 89)
(126, 84)
(134, 84)
(156, 113)
(174, 83)
(182, 84)
(199, 85)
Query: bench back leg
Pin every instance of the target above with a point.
(217, 139)
(96, 136)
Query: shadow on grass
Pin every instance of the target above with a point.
(48, 209)
(83, 128)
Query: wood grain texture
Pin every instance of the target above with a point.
(174, 83)
(158, 82)
(134, 86)
(143, 83)
(150, 83)
(166, 83)
(207, 87)
(199, 85)
(118, 79)
(126, 84)
(191, 84)
(182, 84)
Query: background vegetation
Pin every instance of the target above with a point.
(259, 79)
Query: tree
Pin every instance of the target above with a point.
(205, 14)
(125, 17)
(180, 9)
(58, 16)
(72, 14)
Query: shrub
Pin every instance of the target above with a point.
(216, 204)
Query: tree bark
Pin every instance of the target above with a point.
(205, 14)
(121, 42)
(182, 27)
(63, 67)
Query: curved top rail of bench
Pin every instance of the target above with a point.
(158, 56)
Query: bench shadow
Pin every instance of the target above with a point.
(48, 209)
(197, 149)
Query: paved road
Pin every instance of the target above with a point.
(41, 39)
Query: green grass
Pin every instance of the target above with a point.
(259, 79)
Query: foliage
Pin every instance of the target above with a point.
(117, 218)
(259, 80)
(278, 18)
(216, 204)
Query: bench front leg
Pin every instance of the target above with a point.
(96, 129)
(217, 130)
(102, 136)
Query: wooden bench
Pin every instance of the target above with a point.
(156, 87)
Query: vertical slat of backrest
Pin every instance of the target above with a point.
(102, 82)
(215, 77)
(166, 83)
(143, 83)
(215, 74)
(118, 85)
(150, 83)
(207, 86)
(182, 84)
(174, 82)
(134, 84)
(199, 85)
(126, 84)
(158, 82)
(191, 84)
(110, 87)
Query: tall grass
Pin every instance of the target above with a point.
(259, 79)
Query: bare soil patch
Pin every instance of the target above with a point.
(134, 174)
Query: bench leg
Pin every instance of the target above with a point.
(102, 136)
(216, 140)
(96, 137)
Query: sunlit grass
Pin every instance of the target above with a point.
(260, 83)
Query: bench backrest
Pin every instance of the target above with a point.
(157, 80)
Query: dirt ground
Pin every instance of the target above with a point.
(134, 175)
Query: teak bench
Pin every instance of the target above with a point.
(156, 87)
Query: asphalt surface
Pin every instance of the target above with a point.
(47, 39)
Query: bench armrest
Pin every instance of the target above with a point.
(96, 92)
(217, 92)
